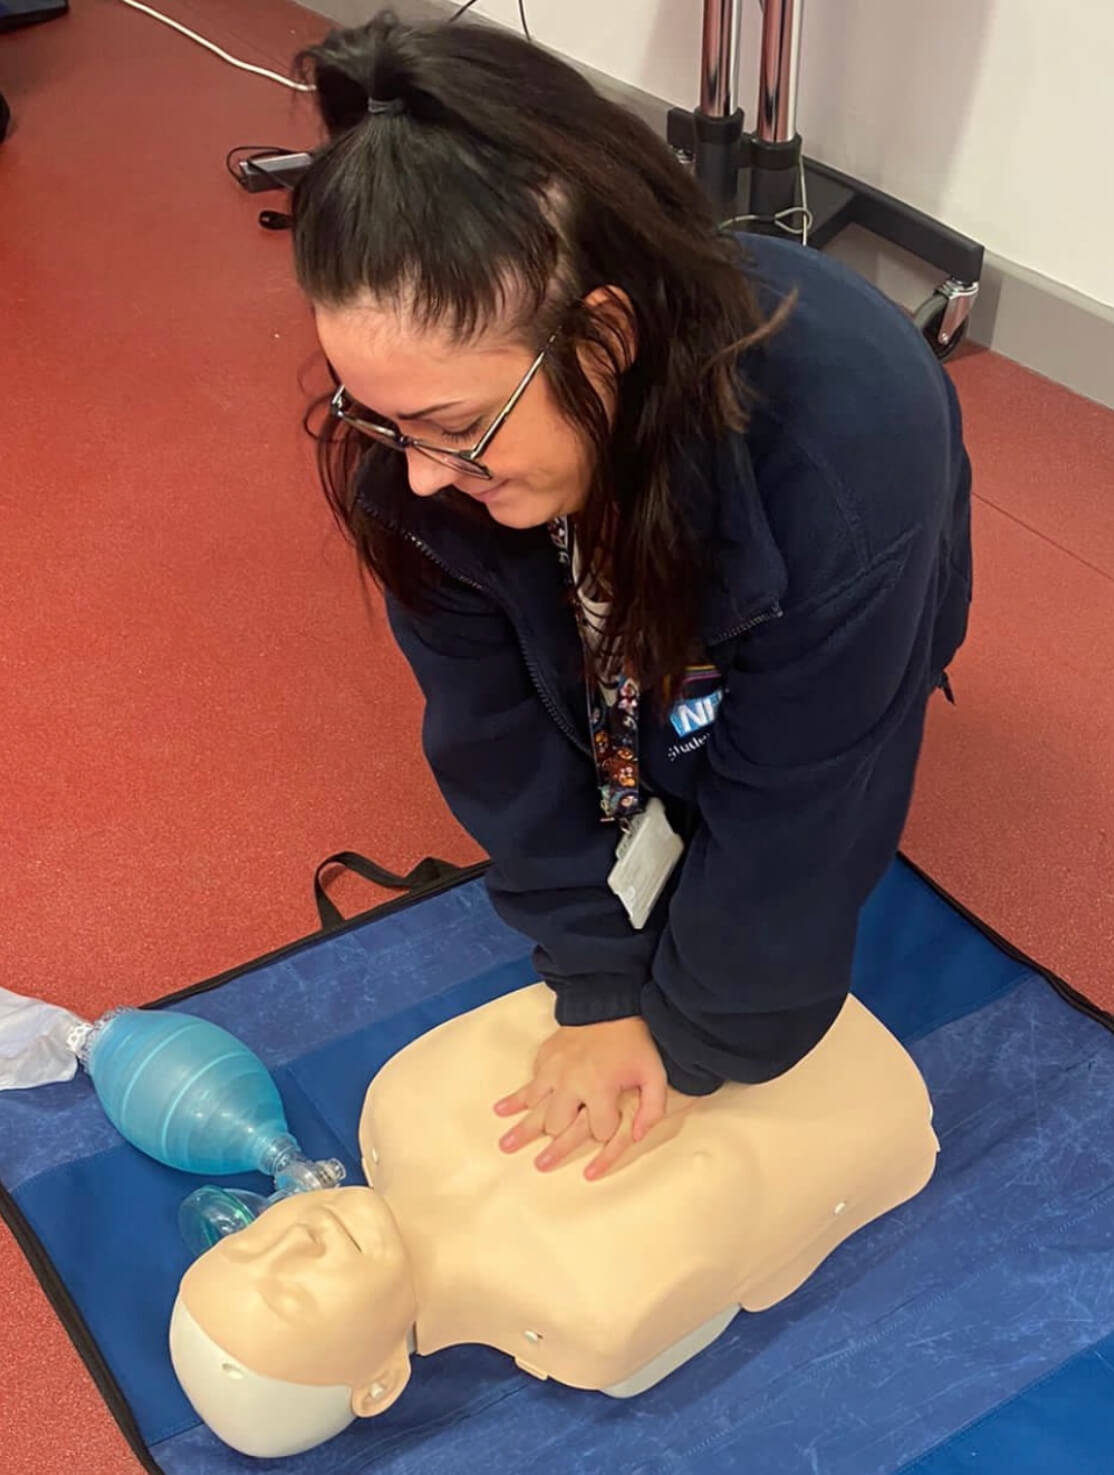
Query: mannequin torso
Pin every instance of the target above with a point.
(734, 1200)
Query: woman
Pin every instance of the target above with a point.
(585, 441)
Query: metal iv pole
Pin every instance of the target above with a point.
(713, 133)
(775, 145)
(718, 121)
(775, 186)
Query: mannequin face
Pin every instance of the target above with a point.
(316, 1291)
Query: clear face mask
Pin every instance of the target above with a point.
(209, 1108)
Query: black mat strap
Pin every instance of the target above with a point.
(428, 872)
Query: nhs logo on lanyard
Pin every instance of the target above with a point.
(694, 713)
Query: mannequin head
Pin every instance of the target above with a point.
(297, 1323)
(264, 1417)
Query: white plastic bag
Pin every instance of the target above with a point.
(33, 1048)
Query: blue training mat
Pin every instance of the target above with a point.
(971, 1330)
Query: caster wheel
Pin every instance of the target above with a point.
(928, 318)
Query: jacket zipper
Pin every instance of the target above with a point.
(539, 685)
(763, 617)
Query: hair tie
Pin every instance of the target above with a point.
(394, 105)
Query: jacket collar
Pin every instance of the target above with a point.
(716, 487)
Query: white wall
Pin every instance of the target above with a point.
(996, 116)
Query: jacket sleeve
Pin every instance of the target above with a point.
(806, 787)
(525, 793)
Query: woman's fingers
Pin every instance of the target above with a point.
(569, 1122)
(604, 1116)
(528, 1130)
(553, 1116)
(652, 1100)
(570, 1141)
(649, 1110)
(610, 1154)
(522, 1100)
(562, 1109)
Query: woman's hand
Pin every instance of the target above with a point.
(580, 1074)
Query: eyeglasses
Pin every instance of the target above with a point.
(466, 463)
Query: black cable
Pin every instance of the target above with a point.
(521, 11)
(256, 151)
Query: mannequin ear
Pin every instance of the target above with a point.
(369, 1400)
(376, 1396)
(614, 311)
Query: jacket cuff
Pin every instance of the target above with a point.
(688, 1082)
(595, 1001)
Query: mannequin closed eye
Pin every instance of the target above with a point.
(320, 1235)
(284, 1269)
(288, 1300)
(296, 1244)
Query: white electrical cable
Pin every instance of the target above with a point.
(244, 66)
(781, 219)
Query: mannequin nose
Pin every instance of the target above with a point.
(298, 1240)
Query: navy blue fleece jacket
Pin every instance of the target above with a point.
(840, 524)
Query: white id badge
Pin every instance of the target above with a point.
(644, 862)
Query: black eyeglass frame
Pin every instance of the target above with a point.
(468, 463)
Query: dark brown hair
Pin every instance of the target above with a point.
(504, 183)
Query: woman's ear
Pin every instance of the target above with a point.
(614, 311)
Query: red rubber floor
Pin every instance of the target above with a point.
(196, 706)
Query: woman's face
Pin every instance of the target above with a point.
(448, 394)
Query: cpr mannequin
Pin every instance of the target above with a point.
(285, 1331)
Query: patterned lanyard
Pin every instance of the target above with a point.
(612, 710)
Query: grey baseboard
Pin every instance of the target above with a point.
(1048, 327)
